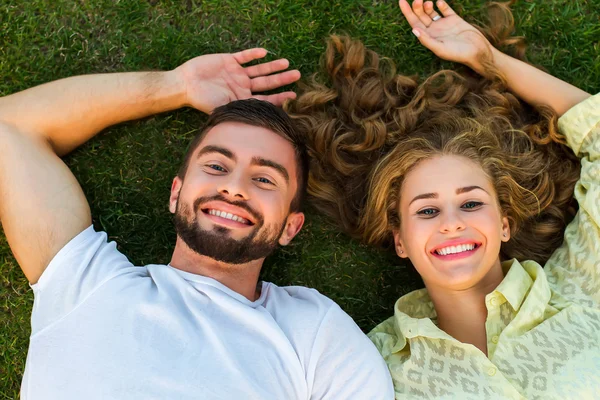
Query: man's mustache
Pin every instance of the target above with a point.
(241, 204)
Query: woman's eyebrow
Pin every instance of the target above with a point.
(424, 196)
(468, 189)
(435, 195)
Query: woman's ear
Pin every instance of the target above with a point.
(505, 229)
(398, 245)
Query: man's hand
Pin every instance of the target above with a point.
(449, 37)
(216, 79)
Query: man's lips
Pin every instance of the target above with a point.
(221, 211)
(224, 221)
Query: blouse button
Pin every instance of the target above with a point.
(492, 371)
(495, 339)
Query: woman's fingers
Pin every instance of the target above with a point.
(419, 11)
(410, 16)
(445, 8)
(428, 5)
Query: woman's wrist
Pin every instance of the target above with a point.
(489, 55)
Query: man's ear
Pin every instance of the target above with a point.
(292, 227)
(400, 250)
(175, 189)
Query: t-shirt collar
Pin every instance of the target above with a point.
(195, 279)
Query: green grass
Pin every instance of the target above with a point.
(126, 172)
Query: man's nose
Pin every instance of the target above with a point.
(235, 187)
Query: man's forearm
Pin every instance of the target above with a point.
(70, 111)
(537, 87)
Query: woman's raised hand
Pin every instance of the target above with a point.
(445, 33)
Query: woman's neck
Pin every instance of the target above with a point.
(462, 313)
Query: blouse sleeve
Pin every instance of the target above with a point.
(574, 268)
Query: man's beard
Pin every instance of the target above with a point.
(217, 243)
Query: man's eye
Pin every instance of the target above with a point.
(470, 205)
(264, 180)
(428, 212)
(216, 167)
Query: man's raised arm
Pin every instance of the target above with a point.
(42, 206)
(68, 112)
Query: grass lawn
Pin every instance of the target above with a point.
(126, 172)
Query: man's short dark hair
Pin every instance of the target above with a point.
(265, 115)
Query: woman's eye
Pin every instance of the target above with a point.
(470, 205)
(428, 212)
(264, 180)
(216, 167)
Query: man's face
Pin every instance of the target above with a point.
(233, 204)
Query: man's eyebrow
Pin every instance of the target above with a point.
(468, 189)
(216, 149)
(263, 162)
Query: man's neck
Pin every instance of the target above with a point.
(462, 313)
(241, 278)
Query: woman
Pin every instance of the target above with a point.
(462, 176)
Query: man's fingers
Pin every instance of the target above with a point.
(445, 8)
(267, 68)
(277, 99)
(419, 11)
(244, 56)
(262, 83)
(410, 16)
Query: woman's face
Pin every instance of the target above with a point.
(451, 223)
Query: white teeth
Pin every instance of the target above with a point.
(230, 216)
(455, 249)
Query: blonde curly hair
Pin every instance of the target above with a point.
(367, 127)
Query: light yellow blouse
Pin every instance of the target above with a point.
(543, 325)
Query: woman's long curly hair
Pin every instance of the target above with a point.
(368, 127)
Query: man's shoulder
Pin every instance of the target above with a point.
(297, 297)
(302, 306)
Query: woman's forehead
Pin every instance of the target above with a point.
(444, 174)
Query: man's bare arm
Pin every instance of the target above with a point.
(68, 112)
(42, 207)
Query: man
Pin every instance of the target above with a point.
(201, 327)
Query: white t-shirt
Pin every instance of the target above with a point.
(103, 328)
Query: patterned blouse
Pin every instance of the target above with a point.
(543, 324)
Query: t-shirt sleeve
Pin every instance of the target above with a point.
(79, 268)
(346, 364)
(575, 266)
